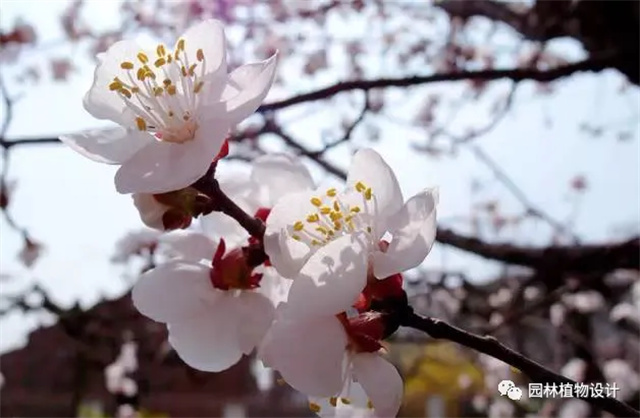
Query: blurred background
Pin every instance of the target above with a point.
(524, 114)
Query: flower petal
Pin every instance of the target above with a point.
(102, 102)
(209, 341)
(247, 87)
(274, 286)
(110, 146)
(414, 231)
(280, 174)
(173, 291)
(254, 314)
(286, 254)
(163, 167)
(332, 279)
(207, 35)
(307, 353)
(368, 167)
(150, 210)
(381, 382)
(189, 246)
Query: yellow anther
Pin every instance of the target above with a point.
(331, 233)
(314, 407)
(313, 217)
(125, 92)
(180, 45)
(166, 82)
(335, 216)
(115, 85)
(298, 226)
(346, 401)
(161, 51)
(322, 230)
(192, 69)
(369, 404)
(169, 58)
(198, 87)
(315, 201)
(337, 225)
(143, 57)
(336, 206)
(332, 192)
(360, 186)
(171, 90)
(369, 229)
(200, 54)
(141, 73)
(142, 125)
(368, 193)
(325, 210)
(157, 91)
(126, 65)
(333, 401)
(355, 209)
(160, 62)
(183, 70)
(296, 237)
(315, 242)
(348, 218)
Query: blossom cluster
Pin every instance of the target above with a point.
(306, 292)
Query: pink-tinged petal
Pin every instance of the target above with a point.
(381, 382)
(150, 210)
(102, 102)
(209, 341)
(332, 279)
(254, 314)
(368, 167)
(308, 353)
(247, 87)
(280, 174)
(163, 167)
(173, 291)
(207, 35)
(189, 246)
(109, 146)
(286, 254)
(414, 231)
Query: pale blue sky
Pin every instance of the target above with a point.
(70, 204)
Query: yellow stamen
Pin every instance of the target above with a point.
(125, 92)
(169, 58)
(198, 87)
(135, 89)
(360, 186)
(315, 242)
(171, 90)
(369, 404)
(368, 193)
(161, 51)
(200, 54)
(336, 206)
(115, 85)
(157, 91)
(180, 45)
(166, 82)
(316, 201)
(335, 216)
(333, 401)
(298, 226)
(143, 57)
(127, 65)
(355, 209)
(142, 125)
(346, 401)
(141, 73)
(314, 407)
(313, 218)
(296, 237)
(331, 192)
(160, 62)
(325, 210)
(192, 69)
(183, 69)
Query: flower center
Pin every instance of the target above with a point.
(164, 94)
(333, 218)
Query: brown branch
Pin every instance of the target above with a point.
(591, 258)
(515, 74)
(492, 347)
